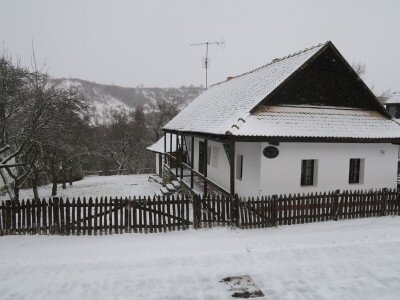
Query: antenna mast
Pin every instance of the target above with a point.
(206, 59)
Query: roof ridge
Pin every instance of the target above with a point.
(275, 60)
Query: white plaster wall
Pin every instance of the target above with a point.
(282, 174)
(220, 174)
(250, 183)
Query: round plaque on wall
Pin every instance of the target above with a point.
(271, 152)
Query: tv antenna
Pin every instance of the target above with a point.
(206, 60)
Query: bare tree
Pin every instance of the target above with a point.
(360, 68)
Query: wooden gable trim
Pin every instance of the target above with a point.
(379, 107)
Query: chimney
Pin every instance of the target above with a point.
(229, 78)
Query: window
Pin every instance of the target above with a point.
(307, 172)
(354, 170)
(214, 157)
(239, 167)
(208, 155)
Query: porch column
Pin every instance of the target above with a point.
(205, 165)
(182, 137)
(191, 162)
(164, 157)
(170, 149)
(232, 170)
(176, 154)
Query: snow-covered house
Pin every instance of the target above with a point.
(303, 123)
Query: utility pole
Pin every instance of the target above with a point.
(206, 59)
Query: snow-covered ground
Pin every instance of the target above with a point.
(97, 186)
(353, 259)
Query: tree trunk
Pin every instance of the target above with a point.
(16, 192)
(64, 180)
(7, 184)
(35, 186)
(54, 187)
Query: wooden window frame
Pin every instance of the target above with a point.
(355, 170)
(307, 172)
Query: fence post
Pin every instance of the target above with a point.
(384, 201)
(274, 210)
(56, 215)
(398, 201)
(236, 215)
(335, 207)
(196, 211)
(7, 217)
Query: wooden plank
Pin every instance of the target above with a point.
(67, 217)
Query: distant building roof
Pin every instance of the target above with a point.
(394, 98)
(158, 146)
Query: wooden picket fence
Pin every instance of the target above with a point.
(165, 213)
(318, 207)
(94, 216)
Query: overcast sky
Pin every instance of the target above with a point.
(148, 42)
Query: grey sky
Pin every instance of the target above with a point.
(147, 42)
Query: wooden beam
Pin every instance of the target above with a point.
(176, 152)
(232, 170)
(205, 165)
(191, 162)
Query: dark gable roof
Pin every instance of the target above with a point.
(317, 76)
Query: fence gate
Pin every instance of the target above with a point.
(98, 216)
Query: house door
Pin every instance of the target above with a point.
(160, 158)
(202, 153)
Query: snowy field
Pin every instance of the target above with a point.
(118, 185)
(353, 259)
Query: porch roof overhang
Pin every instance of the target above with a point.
(282, 139)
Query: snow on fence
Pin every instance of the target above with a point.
(166, 213)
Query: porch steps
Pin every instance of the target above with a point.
(176, 184)
(155, 178)
(165, 191)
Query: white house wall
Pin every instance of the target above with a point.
(282, 174)
(219, 174)
(250, 183)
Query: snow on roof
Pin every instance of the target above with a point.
(393, 98)
(159, 145)
(220, 106)
(330, 122)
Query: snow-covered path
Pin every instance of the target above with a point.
(353, 259)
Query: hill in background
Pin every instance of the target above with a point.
(107, 98)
